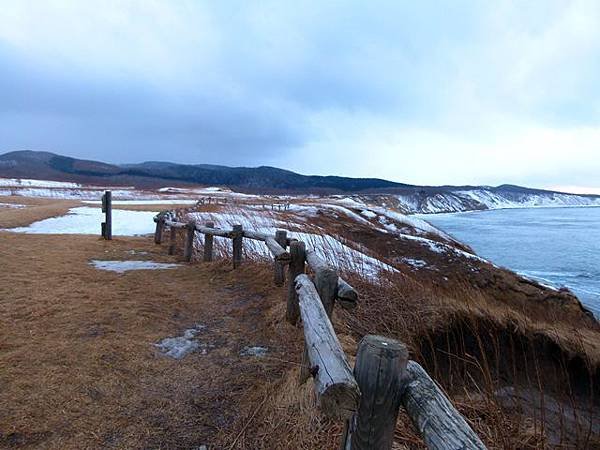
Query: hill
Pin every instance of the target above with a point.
(271, 180)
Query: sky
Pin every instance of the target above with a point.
(429, 92)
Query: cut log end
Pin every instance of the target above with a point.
(340, 401)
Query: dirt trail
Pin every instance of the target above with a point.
(78, 368)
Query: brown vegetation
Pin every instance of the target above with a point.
(36, 209)
(78, 368)
(521, 362)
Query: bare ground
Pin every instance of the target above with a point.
(78, 368)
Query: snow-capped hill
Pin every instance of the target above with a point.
(483, 198)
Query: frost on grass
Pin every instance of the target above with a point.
(181, 346)
(124, 266)
(254, 351)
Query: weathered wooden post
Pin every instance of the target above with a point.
(439, 423)
(208, 243)
(172, 239)
(326, 283)
(296, 267)
(379, 371)
(107, 210)
(238, 236)
(336, 390)
(279, 273)
(160, 225)
(189, 241)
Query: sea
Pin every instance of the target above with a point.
(556, 246)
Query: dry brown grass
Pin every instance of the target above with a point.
(121, 394)
(78, 368)
(37, 209)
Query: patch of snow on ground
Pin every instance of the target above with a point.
(416, 263)
(145, 202)
(438, 247)
(328, 247)
(124, 266)
(254, 351)
(37, 183)
(87, 220)
(72, 194)
(12, 205)
(181, 346)
(367, 213)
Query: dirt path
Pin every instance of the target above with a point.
(78, 368)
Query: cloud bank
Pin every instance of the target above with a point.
(459, 92)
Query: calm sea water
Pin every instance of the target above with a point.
(557, 246)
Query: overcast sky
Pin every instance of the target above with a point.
(455, 92)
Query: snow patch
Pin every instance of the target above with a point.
(87, 220)
(416, 263)
(254, 351)
(144, 202)
(367, 213)
(181, 346)
(124, 266)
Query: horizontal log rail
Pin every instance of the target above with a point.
(368, 398)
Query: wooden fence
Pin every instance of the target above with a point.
(367, 398)
(106, 226)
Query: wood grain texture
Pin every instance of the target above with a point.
(278, 267)
(440, 424)
(337, 391)
(347, 296)
(158, 232)
(237, 239)
(172, 240)
(296, 267)
(208, 243)
(379, 370)
(188, 252)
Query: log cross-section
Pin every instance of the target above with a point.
(337, 392)
(347, 296)
(439, 423)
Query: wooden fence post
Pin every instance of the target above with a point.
(172, 238)
(160, 225)
(279, 273)
(189, 241)
(296, 267)
(106, 226)
(238, 236)
(208, 243)
(379, 371)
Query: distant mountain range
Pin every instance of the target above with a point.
(271, 180)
